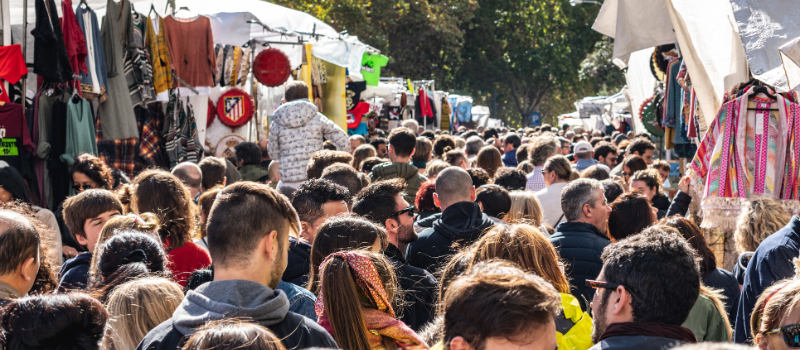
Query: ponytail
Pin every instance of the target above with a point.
(574, 175)
(343, 307)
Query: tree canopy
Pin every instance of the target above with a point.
(524, 55)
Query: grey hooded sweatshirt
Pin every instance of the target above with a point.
(242, 300)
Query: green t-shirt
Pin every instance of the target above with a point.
(371, 67)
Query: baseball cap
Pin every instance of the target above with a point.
(583, 147)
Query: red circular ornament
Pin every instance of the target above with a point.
(235, 107)
(272, 67)
(212, 112)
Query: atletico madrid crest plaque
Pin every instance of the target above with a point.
(235, 107)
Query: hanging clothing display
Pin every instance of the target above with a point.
(191, 48)
(353, 93)
(233, 64)
(371, 67)
(50, 59)
(138, 70)
(356, 123)
(14, 137)
(80, 134)
(423, 111)
(746, 151)
(181, 132)
(95, 79)
(445, 116)
(59, 171)
(150, 152)
(116, 114)
(74, 40)
(156, 43)
(12, 68)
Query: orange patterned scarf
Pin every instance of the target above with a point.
(380, 321)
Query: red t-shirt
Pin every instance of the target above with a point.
(354, 116)
(12, 67)
(186, 260)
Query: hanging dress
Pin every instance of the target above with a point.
(93, 83)
(116, 115)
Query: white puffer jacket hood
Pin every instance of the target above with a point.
(297, 132)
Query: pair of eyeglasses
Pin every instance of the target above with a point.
(611, 286)
(791, 335)
(409, 210)
(81, 187)
(544, 171)
(624, 173)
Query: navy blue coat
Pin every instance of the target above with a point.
(771, 263)
(580, 246)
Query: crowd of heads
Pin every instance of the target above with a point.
(411, 239)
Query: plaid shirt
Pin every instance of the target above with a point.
(118, 154)
(535, 180)
(150, 153)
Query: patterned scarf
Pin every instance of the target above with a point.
(380, 321)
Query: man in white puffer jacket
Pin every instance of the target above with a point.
(297, 132)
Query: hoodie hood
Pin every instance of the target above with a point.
(84, 258)
(299, 260)
(230, 299)
(393, 170)
(463, 221)
(295, 114)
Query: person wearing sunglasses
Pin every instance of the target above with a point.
(644, 292)
(776, 317)
(383, 203)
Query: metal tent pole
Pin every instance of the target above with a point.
(24, 48)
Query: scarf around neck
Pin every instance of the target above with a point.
(652, 329)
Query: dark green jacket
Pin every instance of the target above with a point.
(254, 173)
(405, 171)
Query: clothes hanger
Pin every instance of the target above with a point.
(185, 9)
(152, 9)
(84, 4)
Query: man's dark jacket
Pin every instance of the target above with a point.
(298, 266)
(580, 246)
(419, 290)
(461, 224)
(771, 263)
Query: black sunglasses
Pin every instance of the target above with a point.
(80, 187)
(409, 210)
(611, 286)
(791, 335)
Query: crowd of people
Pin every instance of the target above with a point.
(534, 238)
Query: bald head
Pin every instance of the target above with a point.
(190, 174)
(454, 185)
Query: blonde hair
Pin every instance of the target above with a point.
(525, 246)
(783, 297)
(144, 222)
(760, 217)
(138, 306)
(460, 143)
(434, 168)
(422, 150)
(525, 209)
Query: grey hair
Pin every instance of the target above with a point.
(576, 194)
(474, 145)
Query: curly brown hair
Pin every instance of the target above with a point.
(160, 192)
(94, 168)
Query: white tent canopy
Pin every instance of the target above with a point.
(230, 25)
(705, 32)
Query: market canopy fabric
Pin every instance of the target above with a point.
(271, 23)
(634, 25)
(765, 26)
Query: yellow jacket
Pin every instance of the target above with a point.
(573, 326)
